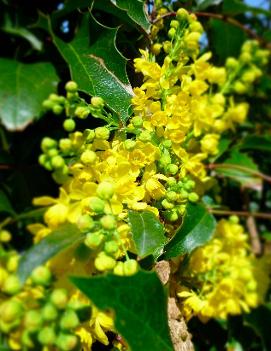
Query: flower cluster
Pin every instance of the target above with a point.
(223, 277)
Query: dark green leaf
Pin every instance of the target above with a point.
(147, 233)
(236, 7)
(233, 37)
(58, 240)
(140, 306)
(97, 66)
(260, 320)
(135, 10)
(5, 205)
(23, 87)
(241, 168)
(204, 4)
(256, 142)
(197, 228)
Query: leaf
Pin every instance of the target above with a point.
(233, 38)
(147, 233)
(135, 10)
(23, 87)
(97, 66)
(256, 142)
(204, 4)
(237, 7)
(197, 228)
(241, 168)
(140, 306)
(260, 319)
(5, 205)
(52, 244)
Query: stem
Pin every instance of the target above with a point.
(265, 177)
(240, 213)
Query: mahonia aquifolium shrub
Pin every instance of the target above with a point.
(155, 163)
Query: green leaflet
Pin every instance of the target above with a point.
(197, 228)
(97, 66)
(140, 306)
(147, 233)
(23, 87)
(58, 240)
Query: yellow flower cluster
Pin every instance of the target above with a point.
(223, 277)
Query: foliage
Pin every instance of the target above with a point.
(153, 119)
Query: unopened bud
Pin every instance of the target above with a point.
(59, 298)
(41, 275)
(105, 190)
(88, 157)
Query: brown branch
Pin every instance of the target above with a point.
(240, 213)
(261, 175)
(254, 236)
(226, 19)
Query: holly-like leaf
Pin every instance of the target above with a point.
(204, 4)
(23, 87)
(256, 142)
(237, 7)
(58, 240)
(97, 66)
(233, 37)
(241, 168)
(147, 233)
(197, 228)
(5, 205)
(140, 306)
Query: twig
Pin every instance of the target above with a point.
(261, 175)
(254, 235)
(240, 213)
(226, 19)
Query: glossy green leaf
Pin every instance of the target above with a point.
(140, 306)
(197, 228)
(97, 66)
(147, 233)
(241, 168)
(5, 205)
(135, 10)
(237, 7)
(260, 320)
(256, 142)
(204, 4)
(23, 87)
(58, 240)
(233, 37)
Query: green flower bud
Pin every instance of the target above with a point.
(171, 33)
(172, 215)
(85, 223)
(71, 87)
(248, 77)
(105, 190)
(189, 185)
(11, 285)
(137, 122)
(145, 136)
(167, 143)
(183, 194)
(54, 98)
(130, 267)
(65, 144)
(33, 320)
(129, 144)
(57, 109)
(102, 133)
(108, 222)
(82, 112)
(26, 339)
(66, 342)
(69, 125)
(42, 159)
(111, 247)
(174, 24)
(171, 196)
(97, 102)
(48, 143)
(167, 46)
(172, 168)
(72, 96)
(41, 276)
(49, 312)
(181, 209)
(231, 63)
(239, 87)
(48, 104)
(52, 152)
(104, 262)
(88, 157)
(11, 310)
(193, 197)
(5, 236)
(234, 219)
(171, 181)
(156, 48)
(118, 269)
(59, 298)
(93, 240)
(245, 57)
(57, 162)
(182, 14)
(96, 204)
(69, 320)
(47, 336)
(167, 205)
